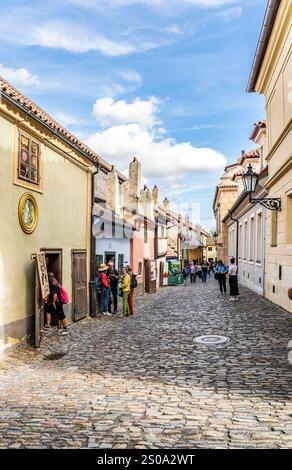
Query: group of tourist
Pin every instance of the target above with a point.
(197, 269)
(221, 271)
(110, 284)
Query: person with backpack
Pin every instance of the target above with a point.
(53, 304)
(113, 277)
(220, 273)
(192, 271)
(133, 286)
(104, 283)
(185, 274)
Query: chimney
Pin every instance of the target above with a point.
(135, 177)
(155, 196)
(113, 191)
(166, 204)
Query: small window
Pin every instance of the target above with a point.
(210, 248)
(140, 268)
(99, 260)
(28, 167)
(145, 230)
(120, 262)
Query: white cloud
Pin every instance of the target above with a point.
(19, 77)
(131, 76)
(231, 14)
(108, 112)
(59, 35)
(161, 158)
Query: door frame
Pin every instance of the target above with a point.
(56, 251)
(73, 252)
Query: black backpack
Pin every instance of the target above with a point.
(134, 281)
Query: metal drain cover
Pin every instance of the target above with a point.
(54, 356)
(212, 340)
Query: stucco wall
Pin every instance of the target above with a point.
(61, 224)
(117, 245)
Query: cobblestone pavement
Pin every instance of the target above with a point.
(144, 382)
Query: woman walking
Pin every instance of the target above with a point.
(220, 271)
(126, 288)
(53, 305)
(233, 282)
(192, 270)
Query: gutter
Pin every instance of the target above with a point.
(267, 27)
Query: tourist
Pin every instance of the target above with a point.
(233, 282)
(185, 273)
(220, 274)
(204, 272)
(192, 269)
(113, 277)
(199, 270)
(105, 286)
(126, 288)
(53, 305)
(133, 285)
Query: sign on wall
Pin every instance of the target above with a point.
(43, 274)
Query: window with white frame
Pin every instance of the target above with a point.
(259, 238)
(245, 239)
(251, 240)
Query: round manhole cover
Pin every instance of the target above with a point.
(211, 340)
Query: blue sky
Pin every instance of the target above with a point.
(163, 80)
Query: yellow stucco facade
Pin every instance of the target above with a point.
(275, 82)
(63, 198)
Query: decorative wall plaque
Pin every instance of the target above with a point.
(28, 213)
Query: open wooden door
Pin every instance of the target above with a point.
(79, 284)
(39, 309)
(161, 273)
(150, 276)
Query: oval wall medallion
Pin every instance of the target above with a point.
(28, 213)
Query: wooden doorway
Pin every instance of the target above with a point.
(79, 284)
(39, 309)
(161, 273)
(149, 282)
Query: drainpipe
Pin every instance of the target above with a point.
(92, 293)
(235, 220)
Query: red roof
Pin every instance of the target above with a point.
(254, 153)
(257, 126)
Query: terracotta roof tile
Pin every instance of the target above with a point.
(257, 126)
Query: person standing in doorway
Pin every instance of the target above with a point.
(233, 281)
(105, 285)
(126, 288)
(113, 277)
(192, 269)
(53, 304)
(220, 272)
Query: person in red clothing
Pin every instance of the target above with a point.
(130, 298)
(105, 284)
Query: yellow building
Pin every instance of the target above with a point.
(45, 187)
(225, 196)
(210, 252)
(271, 75)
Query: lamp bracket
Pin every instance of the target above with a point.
(272, 203)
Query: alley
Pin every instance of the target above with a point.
(145, 382)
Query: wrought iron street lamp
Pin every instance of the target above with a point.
(250, 179)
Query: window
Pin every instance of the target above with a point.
(120, 262)
(210, 248)
(259, 238)
(240, 242)
(99, 260)
(245, 237)
(28, 167)
(140, 268)
(251, 239)
(274, 228)
(145, 230)
(289, 219)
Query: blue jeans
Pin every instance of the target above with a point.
(204, 277)
(106, 298)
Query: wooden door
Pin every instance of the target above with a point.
(39, 309)
(79, 285)
(150, 285)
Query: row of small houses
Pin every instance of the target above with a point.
(253, 201)
(61, 198)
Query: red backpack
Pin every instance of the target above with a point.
(63, 297)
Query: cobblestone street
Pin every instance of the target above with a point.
(144, 382)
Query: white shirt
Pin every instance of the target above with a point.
(232, 270)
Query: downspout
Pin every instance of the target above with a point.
(237, 223)
(92, 293)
